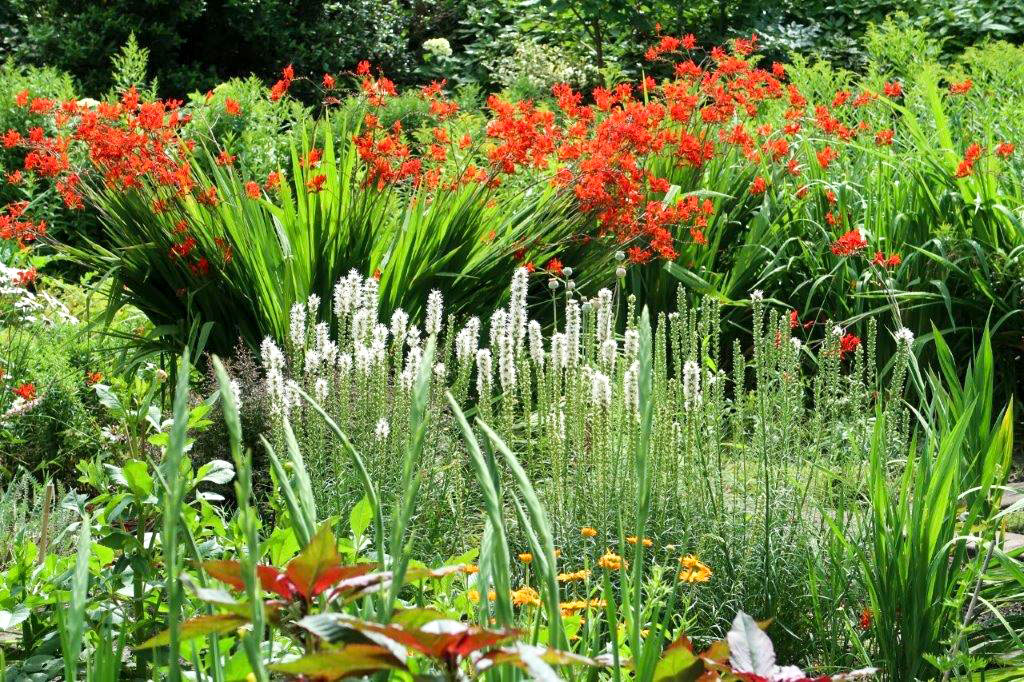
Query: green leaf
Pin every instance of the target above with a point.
(217, 472)
(220, 623)
(137, 478)
(354, 660)
(318, 565)
(678, 664)
(360, 517)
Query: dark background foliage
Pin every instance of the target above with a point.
(196, 44)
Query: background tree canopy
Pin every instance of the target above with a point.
(196, 44)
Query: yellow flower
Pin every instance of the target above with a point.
(570, 607)
(473, 595)
(647, 542)
(694, 570)
(588, 532)
(558, 553)
(582, 574)
(525, 596)
(610, 561)
(526, 557)
(470, 569)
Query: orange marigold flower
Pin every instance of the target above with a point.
(588, 532)
(470, 569)
(610, 561)
(525, 596)
(525, 557)
(693, 570)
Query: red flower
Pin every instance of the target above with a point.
(1005, 149)
(14, 177)
(865, 618)
(363, 68)
(21, 99)
(232, 107)
(961, 88)
(892, 261)
(26, 391)
(883, 137)
(328, 81)
(758, 186)
(316, 183)
(848, 344)
(26, 277)
(849, 244)
(826, 156)
(893, 89)
(273, 180)
(554, 266)
(252, 189)
(225, 159)
(93, 377)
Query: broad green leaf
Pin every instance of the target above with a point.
(220, 623)
(354, 660)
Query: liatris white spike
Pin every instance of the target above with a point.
(311, 361)
(321, 336)
(329, 353)
(483, 374)
(796, 342)
(904, 335)
(399, 322)
(609, 351)
(343, 298)
(236, 392)
(321, 389)
(379, 337)
(605, 315)
(271, 355)
(412, 337)
(517, 306)
(440, 372)
(361, 321)
(631, 344)
(313, 306)
(292, 397)
(345, 364)
(631, 386)
(536, 343)
(413, 360)
(756, 295)
(382, 429)
(573, 330)
(559, 351)
(691, 385)
(506, 364)
(297, 326)
(499, 322)
(467, 340)
(600, 390)
(435, 310)
(364, 359)
(370, 288)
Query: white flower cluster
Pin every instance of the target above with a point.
(439, 47)
(18, 305)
